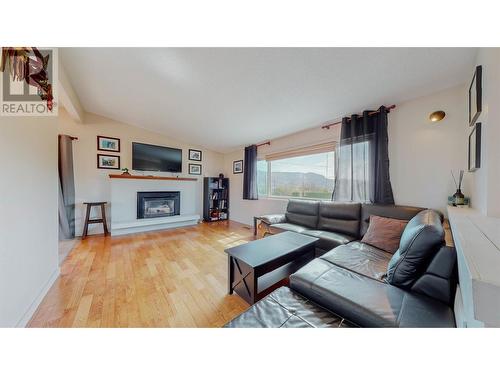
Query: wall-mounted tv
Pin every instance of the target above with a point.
(156, 158)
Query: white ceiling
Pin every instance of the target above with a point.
(222, 98)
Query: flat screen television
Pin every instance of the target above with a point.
(156, 158)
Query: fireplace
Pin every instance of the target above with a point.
(158, 204)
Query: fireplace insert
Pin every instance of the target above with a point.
(158, 204)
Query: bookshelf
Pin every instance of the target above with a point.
(215, 199)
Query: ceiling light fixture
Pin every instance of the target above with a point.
(437, 116)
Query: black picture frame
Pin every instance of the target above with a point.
(100, 166)
(103, 137)
(237, 166)
(192, 155)
(474, 160)
(191, 171)
(475, 95)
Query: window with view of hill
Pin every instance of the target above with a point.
(309, 176)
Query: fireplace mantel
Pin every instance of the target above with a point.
(139, 177)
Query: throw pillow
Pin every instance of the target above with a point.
(384, 233)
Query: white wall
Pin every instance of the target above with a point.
(93, 184)
(28, 215)
(485, 182)
(421, 155)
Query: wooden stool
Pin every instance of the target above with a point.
(102, 219)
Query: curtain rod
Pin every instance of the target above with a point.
(392, 106)
(72, 138)
(264, 143)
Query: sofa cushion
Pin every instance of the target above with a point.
(302, 212)
(328, 240)
(384, 233)
(288, 226)
(367, 302)
(285, 308)
(361, 258)
(420, 241)
(385, 210)
(339, 217)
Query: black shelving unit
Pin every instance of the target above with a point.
(215, 199)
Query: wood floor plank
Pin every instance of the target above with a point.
(171, 278)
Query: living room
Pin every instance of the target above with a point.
(226, 186)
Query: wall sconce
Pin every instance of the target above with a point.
(437, 116)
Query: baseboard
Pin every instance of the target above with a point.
(25, 319)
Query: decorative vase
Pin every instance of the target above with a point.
(458, 198)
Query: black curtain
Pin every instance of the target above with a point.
(362, 173)
(250, 173)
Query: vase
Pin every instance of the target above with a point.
(458, 198)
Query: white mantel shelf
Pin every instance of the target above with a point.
(477, 240)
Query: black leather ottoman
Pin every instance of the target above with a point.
(285, 308)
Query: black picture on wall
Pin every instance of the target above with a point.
(475, 96)
(195, 169)
(475, 148)
(194, 155)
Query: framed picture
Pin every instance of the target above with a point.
(108, 144)
(237, 166)
(475, 96)
(475, 148)
(194, 155)
(194, 168)
(108, 161)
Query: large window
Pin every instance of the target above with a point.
(306, 176)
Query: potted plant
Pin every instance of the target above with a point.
(125, 172)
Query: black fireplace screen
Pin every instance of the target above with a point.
(158, 204)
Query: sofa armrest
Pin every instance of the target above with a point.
(440, 279)
(273, 219)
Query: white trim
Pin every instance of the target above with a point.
(25, 319)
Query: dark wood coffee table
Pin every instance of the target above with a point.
(255, 267)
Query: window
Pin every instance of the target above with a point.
(306, 176)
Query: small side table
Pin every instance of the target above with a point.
(255, 218)
(102, 219)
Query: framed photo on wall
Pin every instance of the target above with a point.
(237, 166)
(194, 169)
(108, 161)
(475, 148)
(108, 144)
(195, 155)
(475, 96)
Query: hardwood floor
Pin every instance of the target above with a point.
(171, 278)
